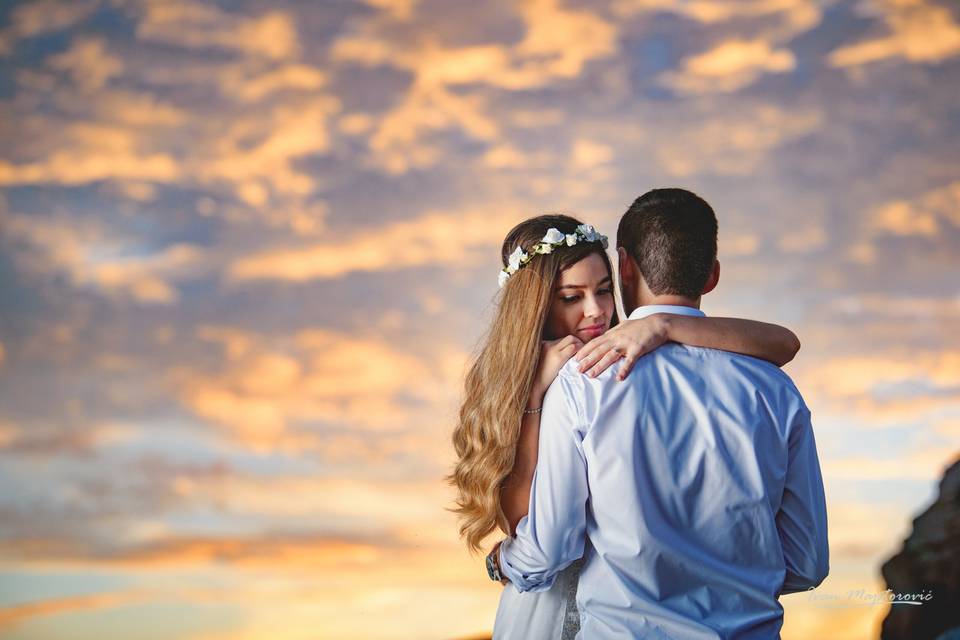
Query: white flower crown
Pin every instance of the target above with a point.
(554, 238)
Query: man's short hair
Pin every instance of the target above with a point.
(672, 236)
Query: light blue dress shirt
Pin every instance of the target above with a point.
(692, 489)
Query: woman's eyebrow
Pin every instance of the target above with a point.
(583, 286)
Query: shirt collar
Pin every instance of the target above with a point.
(650, 309)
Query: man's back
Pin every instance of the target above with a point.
(698, 501)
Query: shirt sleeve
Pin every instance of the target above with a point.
(552, 534)
(802, 519)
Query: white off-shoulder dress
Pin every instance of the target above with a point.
(540, 615)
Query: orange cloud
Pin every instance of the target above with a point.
(923, 464)
(738, 246)
(288, 133)
(12, 616)
(298, 552)
(800, 13)
(430, 239)
(272, 35)
(949, 429)
(865, 385)
(88, 61)
(71, 167)
(900, 309)
(507, 156)
(42, 16)
(807, 236)
(535, 118)
(245, 85)
(56, 439)
(126, 138)
(790, 18)
(734, 144)
(8, 433)
(729, 66)
(406, 510)
(91, 257)
(89, 151)
(919, 31)
(136, 109)
(922, 217)
(284, 601)
(397, 9)
(396, 141)
(899, 218)
(587, 154)
(318, 376)
(558, 44)
(850, 540)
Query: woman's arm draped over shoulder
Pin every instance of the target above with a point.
(770, 342)
(633, 338)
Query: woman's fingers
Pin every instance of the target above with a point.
(588, 348)
(591, 353)
(629, 360)
(608, 359)
(562, 343)
(597, 355)
(565, 347)
(644, 347)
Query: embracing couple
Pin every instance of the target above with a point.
(676, 495)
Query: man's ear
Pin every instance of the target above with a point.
(628, 274)
(713, 280)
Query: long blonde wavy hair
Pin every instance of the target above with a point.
(499, 381)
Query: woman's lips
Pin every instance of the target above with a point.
(593, 331)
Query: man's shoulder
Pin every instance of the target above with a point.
(574, 379)
(571, 368)
(705, 361)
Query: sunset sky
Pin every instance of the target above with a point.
(247, 248)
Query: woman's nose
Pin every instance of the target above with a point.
(592, 308)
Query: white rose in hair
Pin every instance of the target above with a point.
(553, 236)
(544, 248)
(502, 278)
(516, 257)
(588, 232)
(571, 239)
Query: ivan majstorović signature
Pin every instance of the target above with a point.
(864, 598)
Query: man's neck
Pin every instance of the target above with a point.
(676, 301)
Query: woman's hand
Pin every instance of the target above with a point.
(495, 557)
(553, 355)
(628, 341)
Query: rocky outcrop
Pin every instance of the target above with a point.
(928, 563)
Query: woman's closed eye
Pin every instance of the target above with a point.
(606, 291)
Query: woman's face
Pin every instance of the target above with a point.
(582, 301)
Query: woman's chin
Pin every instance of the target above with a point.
(587, 336)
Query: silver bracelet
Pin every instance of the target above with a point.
(537, 410)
